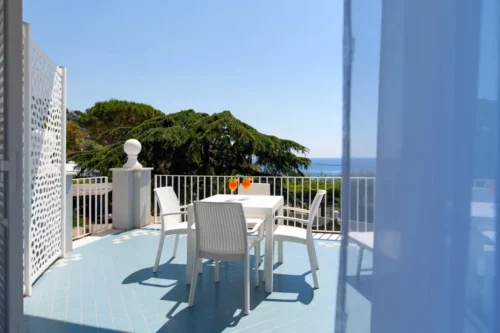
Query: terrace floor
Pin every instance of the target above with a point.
(108, 286)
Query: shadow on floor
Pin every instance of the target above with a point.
(218, 306)
(39, 324)
(362, 284)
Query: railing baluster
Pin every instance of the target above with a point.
(106, 202)
(333, 204)
(77, 208)
(366, 204)
(84, 209)
(192, 188)
(101, 200)
(357, 204)
(294, 198)
(373, 209)
(325, 207)
(318, 180)
(310, 193)
(204, 187)
(274, 185)
(155, 199)
(185, 188)
(95, 202)
(302, 196)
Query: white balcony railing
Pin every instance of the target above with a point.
(90, 206)
(297, 192)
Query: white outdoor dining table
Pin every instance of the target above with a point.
(253, 205)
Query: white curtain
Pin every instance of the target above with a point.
(434, 263)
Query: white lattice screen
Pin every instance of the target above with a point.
(44, 121)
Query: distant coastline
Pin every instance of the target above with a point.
(333, 166)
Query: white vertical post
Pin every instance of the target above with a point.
(27, 146)
(325, 212)
(106, 203)
(84, 207)
(366, 204)
(157, 177)
(96, 205)
(63, 163)
(13, 144)
(77, 208)
(333, 204)
(357, 204)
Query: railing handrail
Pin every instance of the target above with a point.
(329, 177)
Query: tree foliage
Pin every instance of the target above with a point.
(188, 142)
(74, 137)
(104, 116)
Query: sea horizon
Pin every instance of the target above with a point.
(332, 166)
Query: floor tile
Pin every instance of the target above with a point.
(112, 288)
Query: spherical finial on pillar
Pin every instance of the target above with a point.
(132, 148)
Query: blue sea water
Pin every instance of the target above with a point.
(333, 166)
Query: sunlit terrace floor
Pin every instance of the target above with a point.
(108, 286)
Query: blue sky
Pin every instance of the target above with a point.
(276, 65)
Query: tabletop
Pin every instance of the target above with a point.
(483, 209)
(363, 238)
(249, 201)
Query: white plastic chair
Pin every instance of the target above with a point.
(301, 235)
(255, 189)
(171, 219)
(222, 235)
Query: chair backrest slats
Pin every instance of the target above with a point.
(167, 199)
(255, 189)
(221, 228)
(313, 209)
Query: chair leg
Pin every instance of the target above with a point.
(316, 264)
(158, 253)
(246, 306)
(280, 252)
(216, 270)
(176, 244)
(257, 263)
(360, 260)
(200, 266)
(310, 249)
(194, 280)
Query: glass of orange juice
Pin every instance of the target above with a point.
(246, 183)
(233, 184)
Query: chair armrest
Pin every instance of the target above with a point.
(258, 224)
(295, 209)
(184, 207)
(175, 213)
(288, 218)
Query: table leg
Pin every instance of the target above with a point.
(360, 260)
(191, 245)
(280, 243)
(269, 254)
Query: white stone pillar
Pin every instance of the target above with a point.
(131, 191)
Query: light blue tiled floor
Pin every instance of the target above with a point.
(108, 286)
